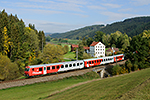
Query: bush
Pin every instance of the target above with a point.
(116, 70)
(8, 70)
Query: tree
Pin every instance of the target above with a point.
(41, 37)
(139, 51)
(8, 70)
(66, 49)
(89, 41)
(6, 41)
(106, 40)
(98, 36)
(52, 53)
(80, 51)
(84, 41)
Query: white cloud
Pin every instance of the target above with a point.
(125, 10)
(96, 7)
(82, 15)
(112, 16)
(44, 4)
(112, 5)
(140, 2)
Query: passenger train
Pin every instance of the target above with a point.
(71, 65)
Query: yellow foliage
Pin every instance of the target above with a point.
(7, 42)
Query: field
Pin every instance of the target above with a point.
(69, 55)
(69, 41)
(135, 86)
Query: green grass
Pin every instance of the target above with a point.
(69, 55)
(135, 86)
(40, 90)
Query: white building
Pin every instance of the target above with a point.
(97, 49)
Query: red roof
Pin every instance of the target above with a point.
(74, 46)
(94, 43)
(86, 48)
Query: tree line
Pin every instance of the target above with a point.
(137, 54)
(21, 46)
(116, 39)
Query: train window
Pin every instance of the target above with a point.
(95, 61)
(77, 64)
(48, 68)
(70, 65)
(32, 69)
(66, 66)
(27, 69)
(62, 66)
(57, 67)
(87, 62)
(81, 63)
(92, 62)
(74, 65)
(40, 69)
(53, 67)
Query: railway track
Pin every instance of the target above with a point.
(57, 76)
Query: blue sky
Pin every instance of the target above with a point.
(64, 15)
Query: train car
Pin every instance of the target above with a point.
(79, 64)
(65, 66)
(98, 61)
(35, 70)
(118, 57)
(53, 68)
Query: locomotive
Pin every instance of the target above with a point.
(43, 69)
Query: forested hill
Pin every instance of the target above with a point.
(76, 34)
(131, 27)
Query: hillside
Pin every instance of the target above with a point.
(131, 27)
(76, 34)
(135, 86)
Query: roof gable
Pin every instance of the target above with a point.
(94, 43)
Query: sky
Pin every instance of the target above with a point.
(58, 16)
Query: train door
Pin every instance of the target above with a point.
(44, 69)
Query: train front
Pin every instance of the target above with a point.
(27, 71)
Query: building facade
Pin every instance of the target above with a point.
(97, 49)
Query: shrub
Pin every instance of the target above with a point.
(8, 70)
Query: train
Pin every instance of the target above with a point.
(44, 69)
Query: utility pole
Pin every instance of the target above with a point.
(42, 43)
(77, 54)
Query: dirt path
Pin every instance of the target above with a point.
(67, 88)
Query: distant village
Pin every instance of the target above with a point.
(96, 49)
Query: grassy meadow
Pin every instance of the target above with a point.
(135, 86)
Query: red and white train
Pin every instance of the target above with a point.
(65, 66)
